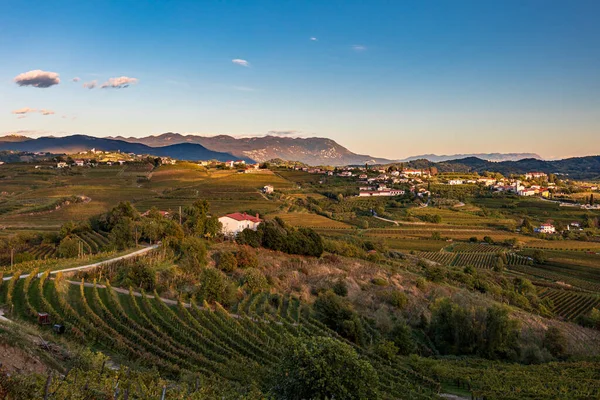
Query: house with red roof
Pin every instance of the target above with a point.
(232, 224)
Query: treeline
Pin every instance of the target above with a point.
(277, 235)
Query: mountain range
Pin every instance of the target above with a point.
(497, 157)
(312, 151)
(77, 143)
(574, 168)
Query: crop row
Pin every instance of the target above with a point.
(186, 338)
(557, 277)
(570, 304)
(473, 259)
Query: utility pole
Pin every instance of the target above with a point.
(179, 215)
(12, 256)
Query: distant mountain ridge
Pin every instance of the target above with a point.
(575, 168)
(77, 143)
(312, 151)
(497, 157)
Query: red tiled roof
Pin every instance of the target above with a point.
(243, 217)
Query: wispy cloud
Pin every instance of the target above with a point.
(76, 79)
(244, 88)
(24, 110)
(90, 84)
(359, 47)
(239, 61)
(37, 78)
(314, 39)
(119, 83)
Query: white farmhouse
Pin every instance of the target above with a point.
(546, 228)
(232, 224)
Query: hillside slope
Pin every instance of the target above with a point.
(77, 143)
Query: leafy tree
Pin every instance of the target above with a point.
(323, 368)
(122, 235)
(254, 280)
(197, 221)
(215, 287)
(227, 262)
(68, 247)
(337, 313)
(401, 336)
(539, 257)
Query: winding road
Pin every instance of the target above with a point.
(95, 265)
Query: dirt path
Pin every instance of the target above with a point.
(94, 265)
(137, 294)
(386, 220)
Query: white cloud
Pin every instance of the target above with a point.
(24, 110)
(76, 79)
(119, 83)
(359, 47)
(244, 88)
(90, 84)
(239, 61)
(37, 78)
(46, 112)
(22, 116)
(314, 39)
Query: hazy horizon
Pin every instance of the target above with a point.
(384, 79)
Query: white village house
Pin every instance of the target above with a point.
(232, 224)
(546, 228)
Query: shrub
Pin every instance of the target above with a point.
(246, 258)
(397, 299)
(340, 288)
(227, 262)
(556, 342)
(378, 281)
(255, 280)
(323, 368)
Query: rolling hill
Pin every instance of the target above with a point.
(77, 143)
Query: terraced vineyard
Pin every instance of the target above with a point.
(477, 260)
(570, 304)
(442, 257)
(94, 242)
(590, 285)
(473, 259)
(182, 339)
(476, 248)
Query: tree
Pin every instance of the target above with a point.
(556, 342)
(215, 287)
(539, 257)
(227, 262)
(337, 313)
(68, 247)
(323, 368)
(246, 258)
(122, 235)
(401, 336)
(255, 280)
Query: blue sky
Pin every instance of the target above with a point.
(388, 78)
